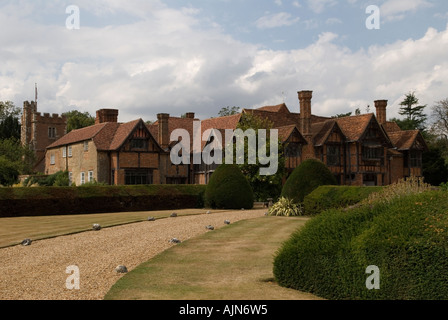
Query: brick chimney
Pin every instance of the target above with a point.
(305, 111)
(164, 133)
(106, 115)
(189, 115)
(381, 106)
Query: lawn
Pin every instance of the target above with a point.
(232, 263)
(14, 230)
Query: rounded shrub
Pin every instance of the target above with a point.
(228, 189)
(309, 175)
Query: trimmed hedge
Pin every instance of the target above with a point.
(328, 197)
(228, 189)
(309, 175)
(407, 239)
(45, 201)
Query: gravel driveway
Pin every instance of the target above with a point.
(38, 271)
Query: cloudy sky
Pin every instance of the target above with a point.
(145, 57)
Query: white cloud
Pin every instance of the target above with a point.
(397, 9)
(275, 20)
(318, 6)
(296, 4)
(165, 62)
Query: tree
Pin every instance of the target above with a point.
(415, 118)
(228, 111)
(440, 117)
(9, 120)
(22, 157)
(342, 115)
(264, 186)
(78, 120)
(8, 172)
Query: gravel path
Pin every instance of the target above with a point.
(38, 272)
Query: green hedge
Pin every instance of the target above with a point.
(407, 239)
(42, 201)
(327, 197)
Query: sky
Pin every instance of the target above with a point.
(146, 57)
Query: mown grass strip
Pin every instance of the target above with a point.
(232, 263)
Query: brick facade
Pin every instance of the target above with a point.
(358, 150)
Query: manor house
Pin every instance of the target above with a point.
(359, 150)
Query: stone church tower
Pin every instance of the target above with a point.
(39, 131)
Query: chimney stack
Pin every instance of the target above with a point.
(164, 133)
(381, 106)
(305, 111)
(106, 115)
(190, 115)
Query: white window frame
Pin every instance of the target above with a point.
(90, 177)
(64, 152)
(70, 153)
(52, 159)
(83, 177)
(86, 146)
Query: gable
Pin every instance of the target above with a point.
(135, 137)
(374, 135)
(326, 132)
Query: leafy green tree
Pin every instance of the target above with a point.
(410, 108)
(8, 172)
(342, 115)
(9, 120)
(77, 120)
(263, 186)
(7, 109)
(20, 156)
(228, 111)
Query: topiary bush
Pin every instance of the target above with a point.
(327, 197)
(228, 189)
(309, 175)
(405, 237)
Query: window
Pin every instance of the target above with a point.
(70, 151)
(293, 150)
(64, 152)
(51, 132)
(52, 159)
(86, 145)
(70, 178)
(137, 177)
(333, 155)
(138, 144)
(416, 159)
(369, 153)
(83, 177)
(90, 176)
